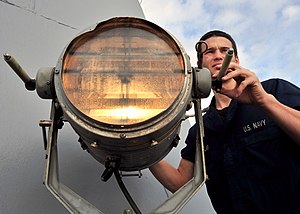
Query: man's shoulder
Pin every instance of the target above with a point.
(276, 82)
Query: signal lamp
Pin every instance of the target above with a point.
(124, 85)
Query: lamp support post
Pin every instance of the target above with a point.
(181, 197)
(76, 204)
(69, 199)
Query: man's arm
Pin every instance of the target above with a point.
(248, 89)
(288, 119)
(170, 177)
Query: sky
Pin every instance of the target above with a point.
(267, 32)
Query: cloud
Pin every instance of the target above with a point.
(267, 32)
(291, 14)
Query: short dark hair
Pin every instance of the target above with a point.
(222, 34)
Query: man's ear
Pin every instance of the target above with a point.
(237, 60)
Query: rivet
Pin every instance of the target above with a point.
(122, 135)
(127, 211)
(94, 144)
(154, 143)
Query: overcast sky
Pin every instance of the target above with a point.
(267, 32)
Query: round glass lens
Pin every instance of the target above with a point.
(122, 75)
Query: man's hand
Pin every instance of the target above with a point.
(242, 84)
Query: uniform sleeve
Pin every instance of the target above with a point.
(188, 152)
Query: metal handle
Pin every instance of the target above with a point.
(29, 82)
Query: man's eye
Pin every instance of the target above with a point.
(208, 52)
(224, 50)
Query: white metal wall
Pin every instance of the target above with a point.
(35, 32)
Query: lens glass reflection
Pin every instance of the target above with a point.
(122, 75)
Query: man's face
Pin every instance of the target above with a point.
(214, 55)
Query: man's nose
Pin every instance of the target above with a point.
(218, 54)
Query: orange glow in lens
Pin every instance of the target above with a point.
(122, 75)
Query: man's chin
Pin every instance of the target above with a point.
(214, 72)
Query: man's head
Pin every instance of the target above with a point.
(218, 42)
(220, 34)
